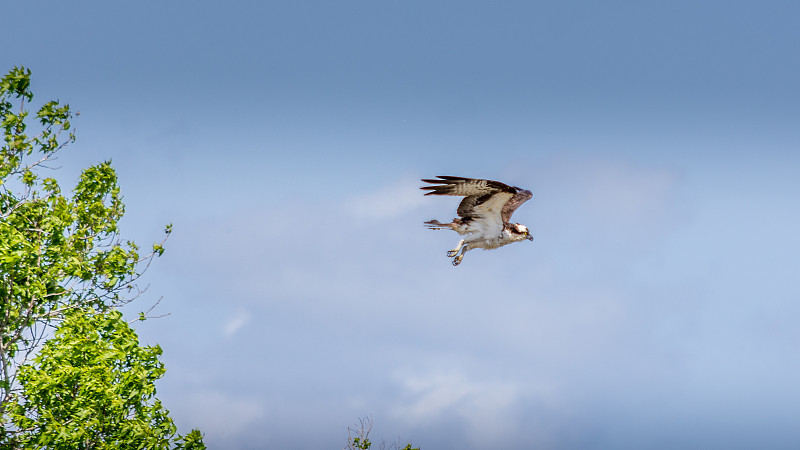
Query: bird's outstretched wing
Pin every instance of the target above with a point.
(483, 199)
(522, 196)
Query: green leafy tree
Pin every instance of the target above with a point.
(60, 256)
(92, 387)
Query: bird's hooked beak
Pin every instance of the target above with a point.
(529, 236)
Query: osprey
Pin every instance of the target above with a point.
(484, 213)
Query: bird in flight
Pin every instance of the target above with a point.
(483, 215)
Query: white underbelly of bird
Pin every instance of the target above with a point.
(490, 243)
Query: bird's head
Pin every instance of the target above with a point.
(521, 231)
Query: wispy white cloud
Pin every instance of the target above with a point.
(388, 201)
(239, 319)
(486, 408)
(622, 194)
(614, 194)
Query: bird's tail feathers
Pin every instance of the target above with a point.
(436, 225)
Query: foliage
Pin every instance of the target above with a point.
(92, 387)
(192, 441)
(61, 257)
(358, 437)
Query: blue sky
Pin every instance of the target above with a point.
(285, 141)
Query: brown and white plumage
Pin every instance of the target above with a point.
(484, 213)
